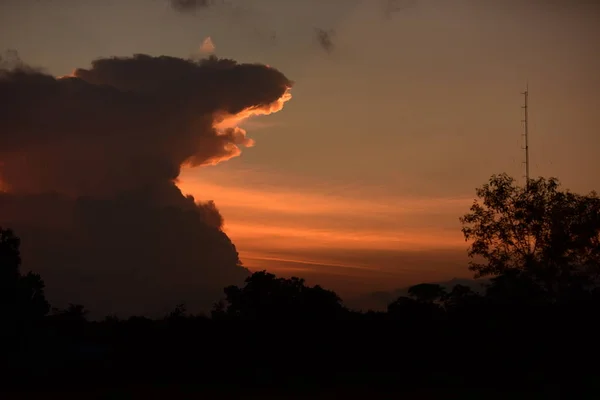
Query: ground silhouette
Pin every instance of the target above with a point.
(533, 327)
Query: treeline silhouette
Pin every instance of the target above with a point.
(534, 326)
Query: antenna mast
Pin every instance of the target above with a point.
(526, 134)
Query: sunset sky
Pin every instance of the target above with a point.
(358, 183)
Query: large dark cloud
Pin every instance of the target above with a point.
(88, 164)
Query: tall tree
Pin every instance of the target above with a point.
(541, 232)
(22, 297)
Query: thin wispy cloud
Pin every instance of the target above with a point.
(307, 237)
(309, 201)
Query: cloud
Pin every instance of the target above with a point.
(295, 236)
(391, 7)
(305, 199)
(88, 165)
(148, 114)
(190, 5)
(325, 39)
(10, 59)
(231, 7)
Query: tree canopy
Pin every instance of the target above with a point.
(427, 292)
(539, 231)
(267, 297)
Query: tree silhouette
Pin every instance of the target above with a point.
(32, 299)
(427, 292)
(74, 312)
(516, 287)
(22, 298)
(549, 235)
(179, 312)
(401, 305)
(10, 258)
(266, 297)
(423, 303)
(459, 297)
(71, 321)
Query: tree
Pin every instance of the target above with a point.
(460, 296)
(10, 258)
(402, 305)
(22, 297)
(421, 305)
(179, 312)
(266, 297)
(548, 235)
(32, 299)
(410, 310)
(516, 287)
(75, 313)
(427, 292)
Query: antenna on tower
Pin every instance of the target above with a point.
(526, 133)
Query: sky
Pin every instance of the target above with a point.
(359, 181)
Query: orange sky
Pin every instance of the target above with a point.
(309, 229)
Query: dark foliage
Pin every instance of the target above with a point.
(539, 232)
(534, 327)
(22, 300)
(268, 298)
